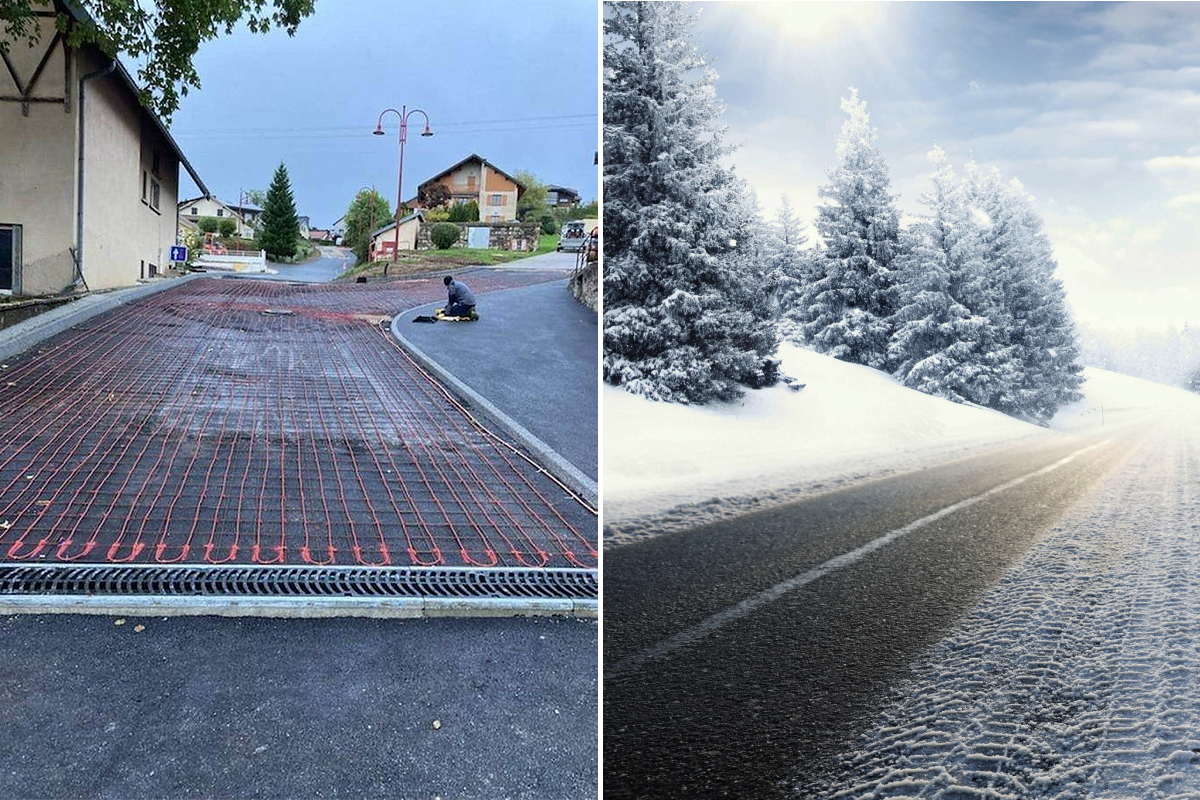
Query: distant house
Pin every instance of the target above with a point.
(474, 178)
(199, 207)
(88, 175)
(561, 197)
(383, 240)
(252, 214)
(305, 227)
(320, 236)
(338, 229)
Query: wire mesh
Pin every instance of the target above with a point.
(193, 428)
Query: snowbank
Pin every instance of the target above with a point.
(1111, 398)
(668, 467)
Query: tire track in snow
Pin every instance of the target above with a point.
(1078, 675)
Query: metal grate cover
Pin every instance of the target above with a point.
(268, 581)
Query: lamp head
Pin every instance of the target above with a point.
(378, 129)
(428, 131)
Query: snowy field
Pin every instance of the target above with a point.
(1078, 675)
(669, 467)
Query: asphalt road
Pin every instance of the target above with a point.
(332, 263)
(533, 353)
(262, 708)
(730, 707)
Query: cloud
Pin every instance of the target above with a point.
(1173, 163)
(975, 87)
(1181, 200)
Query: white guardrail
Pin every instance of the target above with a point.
(245, 261)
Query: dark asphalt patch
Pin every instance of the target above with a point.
(345, 708)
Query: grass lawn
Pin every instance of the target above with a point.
(414, 262)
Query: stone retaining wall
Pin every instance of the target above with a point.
(520, 236)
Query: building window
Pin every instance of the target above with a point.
(155, 194)
(145, 186)
(195, 211)
(498, 199)
(154, 163)
(220, 212)
(10, 258)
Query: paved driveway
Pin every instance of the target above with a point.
(533, 354)
(196, 707)
(258, 422)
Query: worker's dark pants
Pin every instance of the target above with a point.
(458, 310)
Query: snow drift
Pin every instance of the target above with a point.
(668, 467)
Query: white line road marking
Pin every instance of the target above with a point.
(754, 602)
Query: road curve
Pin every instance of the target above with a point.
(726, 667)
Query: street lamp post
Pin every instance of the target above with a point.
(404, 113)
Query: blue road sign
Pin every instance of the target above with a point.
(178, 253)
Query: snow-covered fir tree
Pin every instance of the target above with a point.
(785, 264)
(846, 309)
(683, 297)
(1037, 368)
(939, 345)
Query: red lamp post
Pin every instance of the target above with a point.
(404, 113)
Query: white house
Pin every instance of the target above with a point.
(89, 178)
(197, 208)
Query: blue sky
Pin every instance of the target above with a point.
(1095, 107)
(515, 82)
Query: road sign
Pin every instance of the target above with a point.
(178, 253)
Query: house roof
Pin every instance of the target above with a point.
(553, 188)
(473, 157)
(84, 17)
(251, 209)
(390, 225)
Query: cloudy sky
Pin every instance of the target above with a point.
(515, 82)
(1095, 107)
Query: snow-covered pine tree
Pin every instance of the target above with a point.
(845, 310)
(1039, 369)
(683, 304)
(785, 262)
(939, 346)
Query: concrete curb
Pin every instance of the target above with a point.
(295, 608)
(24, 335)
(556, 464)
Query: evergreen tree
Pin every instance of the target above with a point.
(680, 285)
(787, 266)
(280, 229)
(846, 309)
(939, 345)
(1038, 370)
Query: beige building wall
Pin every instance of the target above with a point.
(498, 199)
(408, 238)
(37, 168)
(124, 236)
(38, 165)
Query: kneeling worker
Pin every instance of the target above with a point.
(461, 302)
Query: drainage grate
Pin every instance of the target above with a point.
(106, 579)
